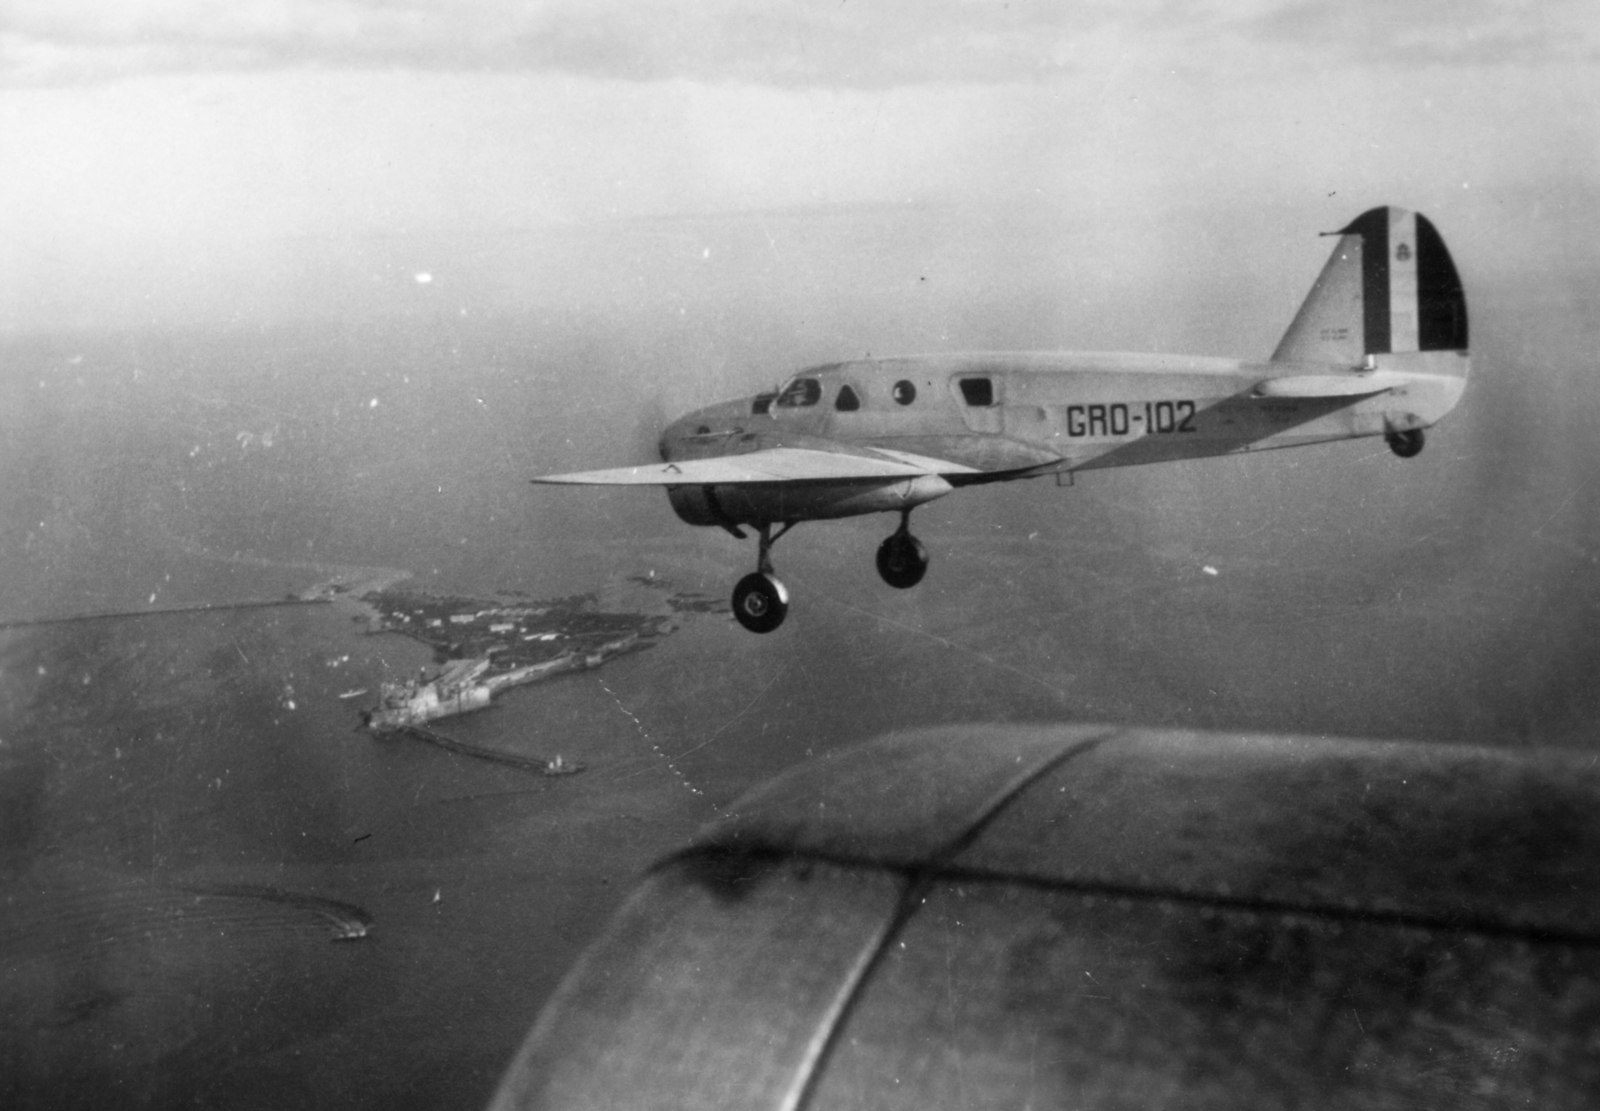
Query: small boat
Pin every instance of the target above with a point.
(356, 693)
(350, 930)
(562, 766)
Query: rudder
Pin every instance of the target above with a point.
(1389, 288)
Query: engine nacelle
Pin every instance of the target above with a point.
(693, 505)
(755, 505)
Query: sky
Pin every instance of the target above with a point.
(151, 152)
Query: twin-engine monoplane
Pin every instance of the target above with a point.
(1379, 348)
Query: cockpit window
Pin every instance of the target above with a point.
(800, 393)
(847, 401)
(977, 391)
(762, 402)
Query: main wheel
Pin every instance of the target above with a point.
(1405, 444)
(760, 602)
(902, 560)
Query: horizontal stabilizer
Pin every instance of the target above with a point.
(1329, 385)
(784, 464)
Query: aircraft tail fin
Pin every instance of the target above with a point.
(1389, 297)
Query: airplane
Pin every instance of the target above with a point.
(1378, 348)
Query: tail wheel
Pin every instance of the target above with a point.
(1405, 444)
(902, 560)
(760, 602)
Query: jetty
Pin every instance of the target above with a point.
(557, 765)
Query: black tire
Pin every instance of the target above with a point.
(760, 603)
(902, 560)
(1405, 444)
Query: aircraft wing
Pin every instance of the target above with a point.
(1091, 916)
(782, 464)
(1330, 385)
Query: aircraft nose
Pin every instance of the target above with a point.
(670, 436)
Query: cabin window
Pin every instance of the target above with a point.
(847, 401)
(800, 393)
(977, 391)
(904, 392)
(762, 403)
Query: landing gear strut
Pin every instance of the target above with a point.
(902, 560)
(760, 601)
(1404, 444)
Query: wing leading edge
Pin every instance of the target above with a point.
(783, 464)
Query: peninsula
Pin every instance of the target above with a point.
(482, 647)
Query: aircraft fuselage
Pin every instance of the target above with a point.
(1021, 415)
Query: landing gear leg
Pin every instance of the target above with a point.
(902, 560)
(1404, 444)
(760, 601)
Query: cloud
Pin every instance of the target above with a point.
(785, 43)
(1434, 32)
(871, 43)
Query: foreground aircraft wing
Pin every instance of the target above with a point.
(783, 464)
(1353, 386)
(1086, 916)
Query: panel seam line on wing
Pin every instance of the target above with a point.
(917, 879)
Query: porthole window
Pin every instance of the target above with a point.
(904, 392)
(847, 401)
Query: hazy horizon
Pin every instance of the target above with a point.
(168, 163)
